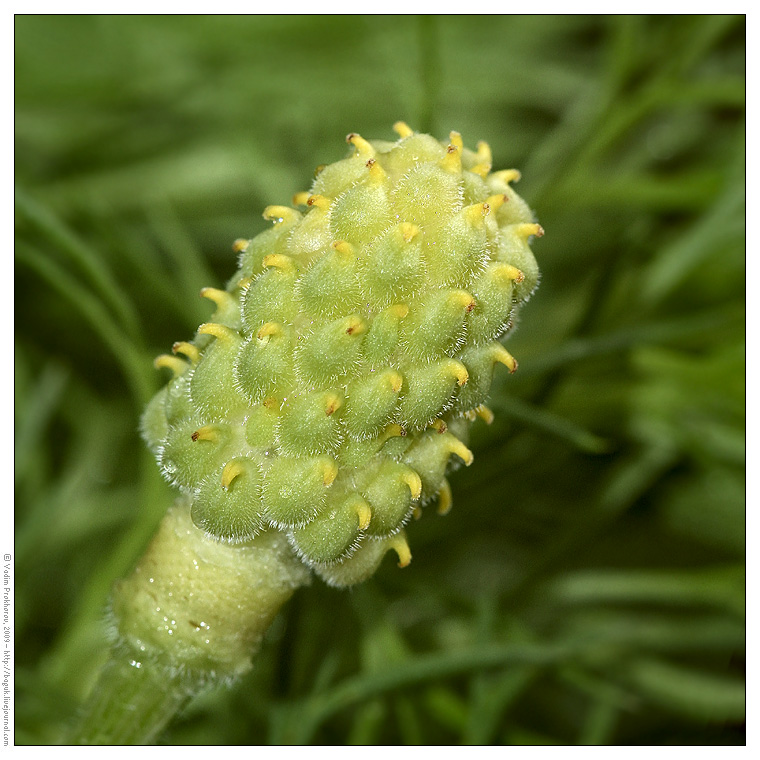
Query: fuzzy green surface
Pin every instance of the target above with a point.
(301, 339)
(587, 585)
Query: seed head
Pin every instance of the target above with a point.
(333, 387)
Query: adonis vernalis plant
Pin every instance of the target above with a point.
(319, 410)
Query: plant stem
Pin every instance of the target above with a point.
(192, 614)
(130, 705)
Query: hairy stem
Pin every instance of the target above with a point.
(192, 614)
(130, 705)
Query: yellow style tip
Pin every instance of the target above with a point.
(452, 161)
(302, 198)
(408, 231)
(279, 261)
(497, 201)
(206, 433)
(174, 363)
(476, 213)
(329, 473)
(481, 170)
(333, 402)
(221, 332)
(318, 201)
(398, 310)
(463, 300)
(240, 245)
(394, 430)
(376, 172)
(364, 513)
(413, 480)
(187, 349)
(485, 414)
(502, 356)
(439, 425)
(268, 329)
(508, 272)
(363, 148)
(399, 545)
(459, 371)
(525, 230)
(483, 152)
(402, 129)
(232, 470)
(355, 325)
(279, 214)
(219, 297)
(508, 175)
(396, 381)
(445, 498)
(457, 447)
(342, 247)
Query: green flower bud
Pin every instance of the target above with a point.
(355, 453)
(206, 394)
(313, 234)
(177, 405)
(382, 338)
(270, 297)
(427, 194)
(364, 211)
(393, 268)
(493, 294)
(272, 241)
(429, 456)
(228, 504)
(332, 352)
(331, 287)
(413, 149)
(294, 490)
(430, 390)
(191, 451)
(390, 496)
(263, 365)
(435, 327)
(333, 388)
(333, 535)
(310, 424)
(513, 249)
(336, 178)
(459, 248)
(372, 401)
(261, 424)
(364, 561)
(481, 362)
(153, 424)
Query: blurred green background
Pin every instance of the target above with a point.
(588, 585)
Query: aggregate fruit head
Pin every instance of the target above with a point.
(334, 386)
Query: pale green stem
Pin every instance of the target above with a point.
(130, 705)
(192, 614)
